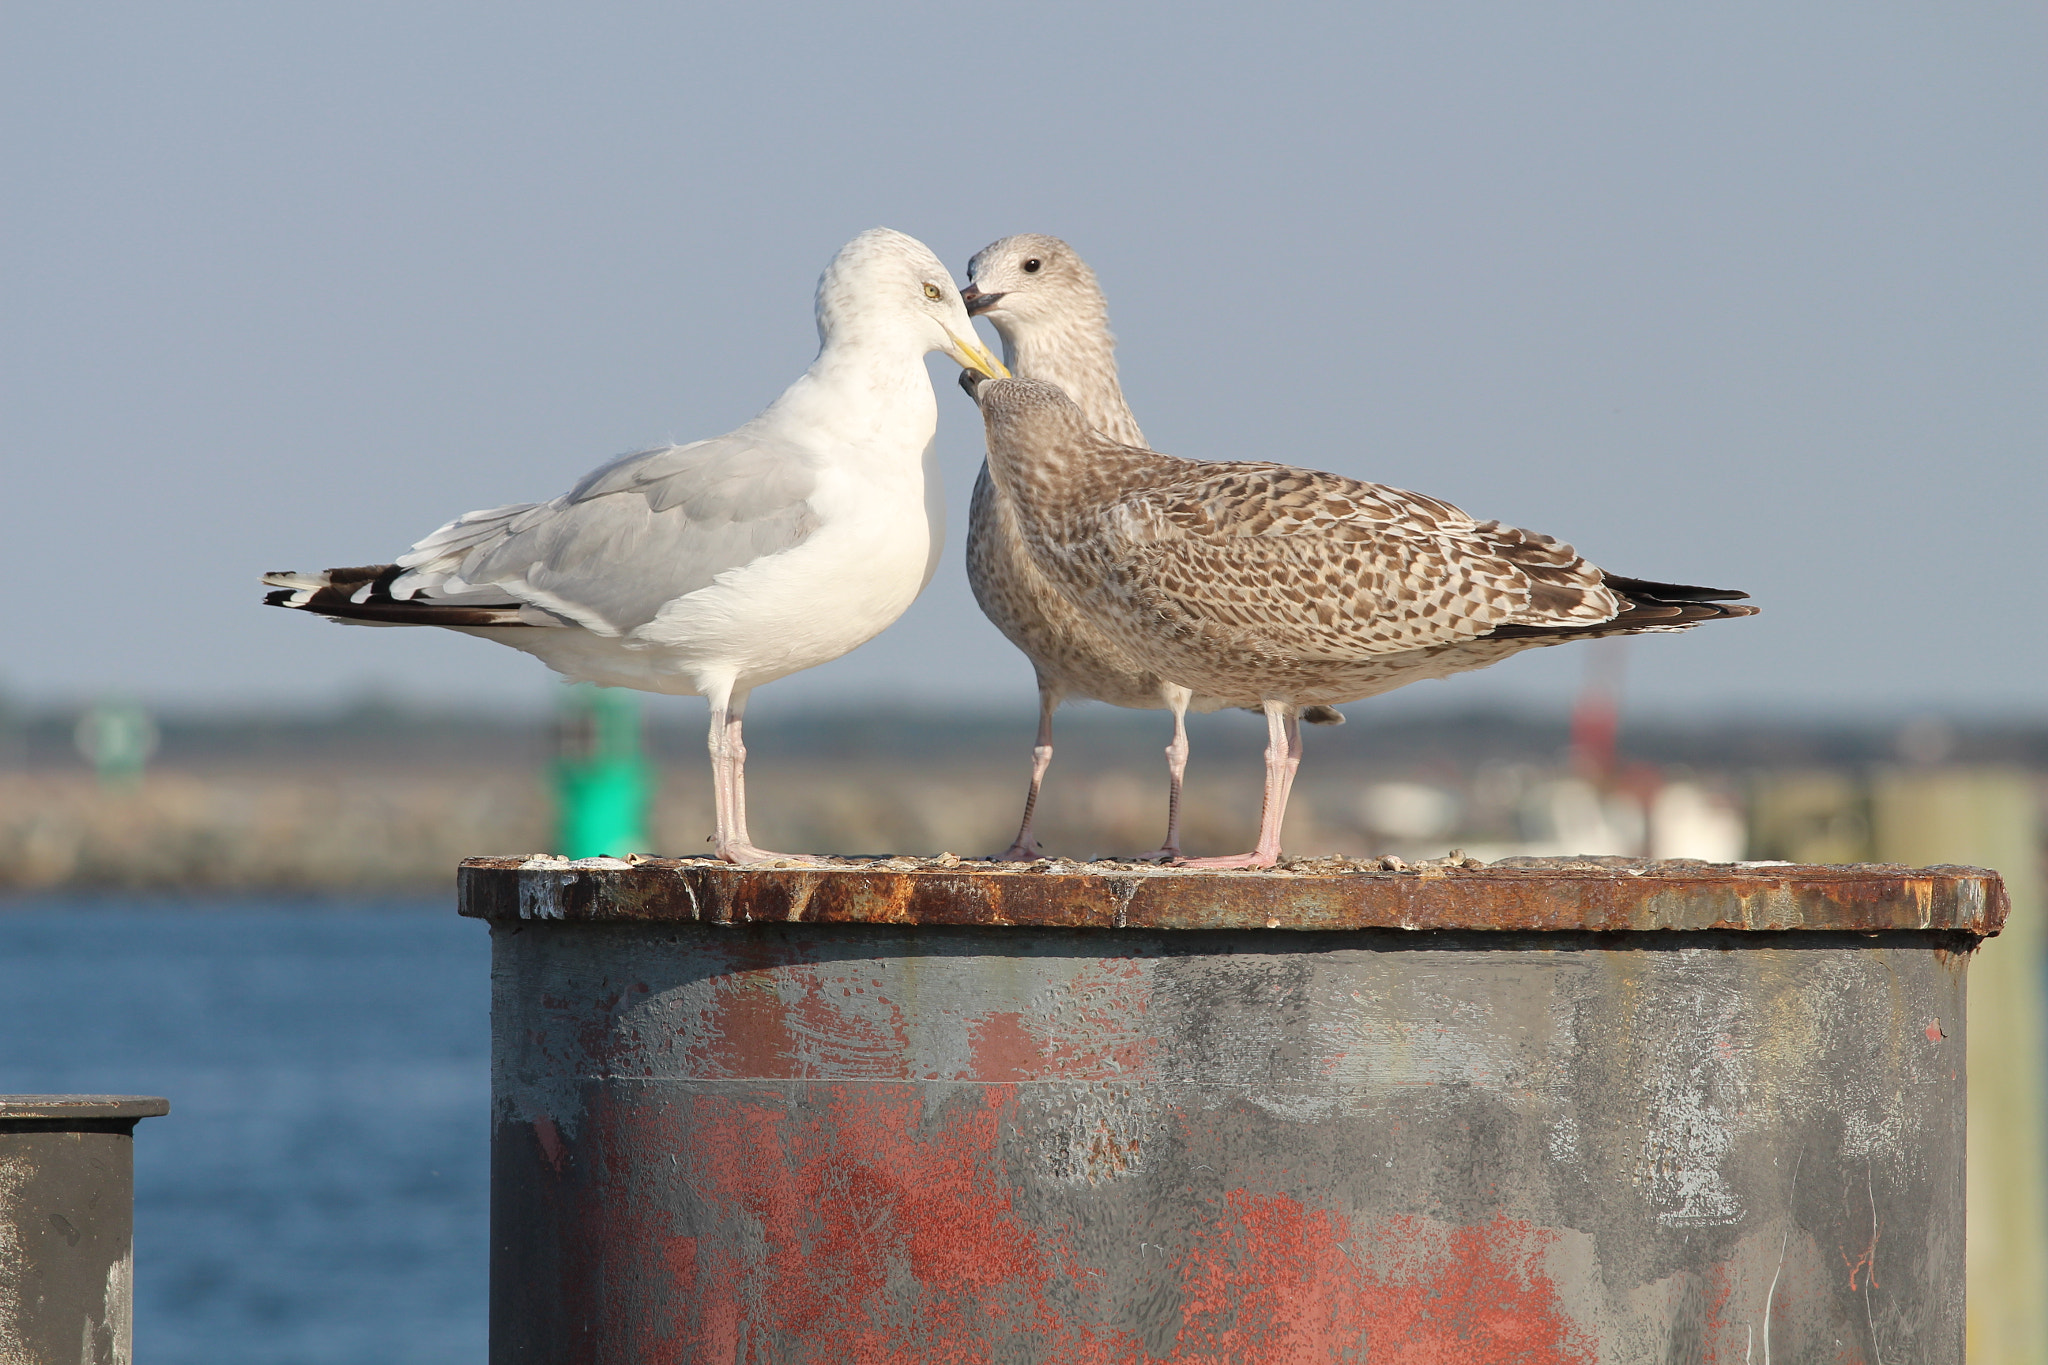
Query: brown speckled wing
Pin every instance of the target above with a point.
(1308, 565)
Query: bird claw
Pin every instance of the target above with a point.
(745, 854)
(1257, 858)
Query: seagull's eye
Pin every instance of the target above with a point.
(932, 291)
(1031, 266)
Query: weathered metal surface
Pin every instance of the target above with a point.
(67, 1187)
(1607, 895)
(848, 1141)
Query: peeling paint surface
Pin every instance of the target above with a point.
(892, 1143)
(858, 1227)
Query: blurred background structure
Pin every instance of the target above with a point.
(384, 798)
(1750, 295)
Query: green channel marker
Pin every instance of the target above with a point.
(603, 782)
(118, 738)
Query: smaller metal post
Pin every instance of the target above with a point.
(67, 1218)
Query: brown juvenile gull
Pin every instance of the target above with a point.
(1264, 585)
(711, 568)
(1047, 307)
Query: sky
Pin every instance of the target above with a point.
(1749, 295)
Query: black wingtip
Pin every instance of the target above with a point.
(1670, 592)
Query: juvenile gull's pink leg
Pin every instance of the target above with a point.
(1024, 847)
(1177, 699)
(1283, 757)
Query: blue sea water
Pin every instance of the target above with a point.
(318, 1194)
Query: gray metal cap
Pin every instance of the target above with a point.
(61, 1107)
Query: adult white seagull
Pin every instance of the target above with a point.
(711, 568)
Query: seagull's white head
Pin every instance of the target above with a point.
(886, 287)
(1034, 282)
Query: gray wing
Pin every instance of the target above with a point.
(633, 536)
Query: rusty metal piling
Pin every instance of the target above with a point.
(1576, 1111)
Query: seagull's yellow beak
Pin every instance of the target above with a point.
(972, 355)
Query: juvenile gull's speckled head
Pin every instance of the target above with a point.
(1029, 419)
(1033, 279)
(1044, 302)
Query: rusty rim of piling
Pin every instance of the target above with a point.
(1587, 895)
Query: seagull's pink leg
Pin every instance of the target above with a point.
(721, 778)
(1024, 847)
(1177, 699)
(729, 782)
(1283, 757)
(736, 755)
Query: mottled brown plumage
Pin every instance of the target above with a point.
(1270, 586)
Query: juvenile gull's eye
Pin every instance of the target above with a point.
(1031, 266)
(932, 291)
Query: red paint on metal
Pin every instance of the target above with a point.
(1272, 1282)
(864, 1228)
(1278, 1282)
(746, 1034)
(1934, 1033)
(807, 1022)
(847, 1199)
(797, 1023)
(1099, 1036)
(1001, 1048)
(847, 1030)
(550, 1139)
(1472, 1295)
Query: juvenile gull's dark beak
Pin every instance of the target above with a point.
(978, 302)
